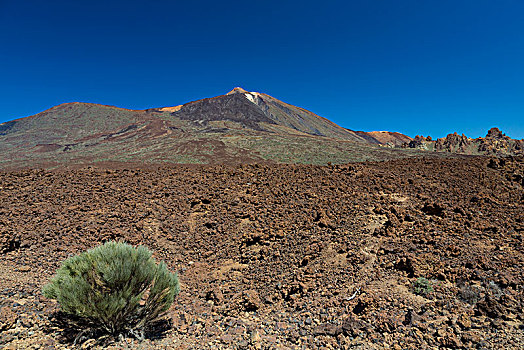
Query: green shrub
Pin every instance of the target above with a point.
(115, 289)
(422, 286)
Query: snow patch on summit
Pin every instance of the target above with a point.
(250, 97)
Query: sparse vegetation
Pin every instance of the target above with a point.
(114, 289)
(494, 290)
(470, 294)
(422, 286)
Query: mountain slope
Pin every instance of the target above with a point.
(386, 138)
(260, 112)
(237, 127)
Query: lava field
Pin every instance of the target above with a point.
(284, 256)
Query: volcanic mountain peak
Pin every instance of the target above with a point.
(259, 112)
(251, 96)
(237, 90)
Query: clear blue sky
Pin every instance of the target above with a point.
(426, 67)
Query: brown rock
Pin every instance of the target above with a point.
(464, 321)
(250, 300)
(353, 326)
(7, 318)
(327, 329)
(24, 268)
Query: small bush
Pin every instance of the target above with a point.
(494, 290)
(422, 286)
(115, 289)
(469, 294)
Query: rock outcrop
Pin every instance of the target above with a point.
(495, 143)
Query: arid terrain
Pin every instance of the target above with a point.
(284, 256)
(239, 127)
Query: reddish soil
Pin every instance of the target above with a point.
(284, 256)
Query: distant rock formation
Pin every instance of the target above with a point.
(494, 143)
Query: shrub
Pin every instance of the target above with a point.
(115, 289)
(469, 294)
(422, 286)
(494, 290)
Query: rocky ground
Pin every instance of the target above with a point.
(285, 256)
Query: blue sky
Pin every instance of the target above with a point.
(418, 67)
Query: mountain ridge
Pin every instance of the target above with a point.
(237, 127)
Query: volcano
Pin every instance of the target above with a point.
(237, 127)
